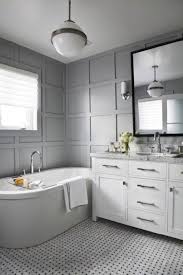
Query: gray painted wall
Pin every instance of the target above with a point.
(15, 150)
(95, 112)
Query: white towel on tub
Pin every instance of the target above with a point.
(75, 193)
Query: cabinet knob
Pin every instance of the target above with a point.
(124, 183)
(171, 189)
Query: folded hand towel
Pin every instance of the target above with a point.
(75, 193)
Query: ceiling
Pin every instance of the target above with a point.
(108, 23)
(169, 59)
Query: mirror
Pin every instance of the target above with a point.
(157, 87)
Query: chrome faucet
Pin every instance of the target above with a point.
(32, 161)
(157, 139)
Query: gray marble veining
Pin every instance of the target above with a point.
(134, 156)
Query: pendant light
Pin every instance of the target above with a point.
(69, 40)
(155, 88)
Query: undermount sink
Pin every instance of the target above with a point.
(159, 154)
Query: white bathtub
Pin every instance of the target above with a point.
(30, 217)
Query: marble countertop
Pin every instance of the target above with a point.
(134, 156)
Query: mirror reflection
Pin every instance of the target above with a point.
(158, 89)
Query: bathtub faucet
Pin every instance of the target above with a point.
(32, 161)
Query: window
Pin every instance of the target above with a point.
(18, 99)
(150, 115)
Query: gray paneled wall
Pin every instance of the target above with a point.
(15, 151)
(96, 113)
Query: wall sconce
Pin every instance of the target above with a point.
(125, 94)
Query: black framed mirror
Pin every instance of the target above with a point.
(157, 89)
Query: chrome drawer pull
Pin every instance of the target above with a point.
(147, 203)
(146, 186)
(110, 166)
(147, 170)
(146, 220)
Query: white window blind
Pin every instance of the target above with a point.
(150, 115)
(18, 99)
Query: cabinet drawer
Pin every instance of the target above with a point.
(112, 166)
(146, 194)
(176, 172)
(146, 221)
(146, 169)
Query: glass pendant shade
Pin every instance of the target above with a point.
(155, 89)
(69, 40)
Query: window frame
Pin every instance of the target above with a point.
(19, 133)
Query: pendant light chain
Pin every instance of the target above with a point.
(154, 73)
(155, 67)
(69, 11)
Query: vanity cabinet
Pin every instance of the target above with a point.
(175, 200)
(142, 194)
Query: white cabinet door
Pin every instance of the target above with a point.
(175, 208)
(111, 198)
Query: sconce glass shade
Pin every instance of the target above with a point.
(155, 89)
(69, 40)
(124, 90)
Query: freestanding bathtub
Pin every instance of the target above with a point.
(31, 217)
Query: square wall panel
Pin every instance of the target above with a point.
(30, 58)
(7, 140)
(79, 155)
(102, 68)
(33, 139)
(25, 158)
(125, 123)
(103, 129)
(7, 160)
(103, 99)
(123, 65)
(79, 129)
(78, 74)
(54, 100)
(78, 101)
(124, 106)
(54, 73)
(55, 129)
(174, 86)
(55, 156)
(7, 49)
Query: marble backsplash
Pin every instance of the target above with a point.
(146, 143)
